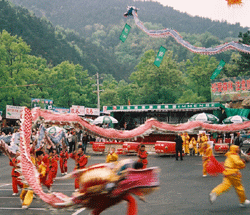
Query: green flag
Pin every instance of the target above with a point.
(125, 32)
(218, 70)
(160, 56)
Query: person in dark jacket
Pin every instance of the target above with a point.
(238, 141)
(178, 146)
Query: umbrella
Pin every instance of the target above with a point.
(89, 120)
(105, 120)
(54, 129)
(204, 117)
(235, 119)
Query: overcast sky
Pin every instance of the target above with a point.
(213, 9)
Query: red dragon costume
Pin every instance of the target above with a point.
(100, 186)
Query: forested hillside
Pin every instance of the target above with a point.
(55, 44)
(76, 14)
(101, 22)
(41, 60)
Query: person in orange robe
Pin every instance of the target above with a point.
(80, 162)
(232, 177)
(64, 156)
(52, 165)
(143, 154)
(56, 158)
(14, 174)
(206, 154)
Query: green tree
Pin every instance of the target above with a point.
(157, 85)
(16, 72)
(190, 97)
(68, 85)
(199, 71)
(244, 68)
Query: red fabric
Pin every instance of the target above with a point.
(64, 156)
(49, 180)
(56, 159)
(13, 163)
(16, 182)
(143, 158)
(51, 170)
(214, 167)
(139, 131)
(81, 160)
(106, 203)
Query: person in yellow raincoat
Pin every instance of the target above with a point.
(112, 156)
(26, 195)
(199, 144)
(206, 153)
(186, 143)
(193, 146)
(203, 139)
(232, 177)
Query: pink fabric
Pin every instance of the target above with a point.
(66, 119)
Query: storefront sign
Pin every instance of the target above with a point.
(13, 112)
(227, 89)
(162, 107)
(79, 110)
(92, 111)
(61, 110)
(42, 103)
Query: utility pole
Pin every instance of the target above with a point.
(98, 89)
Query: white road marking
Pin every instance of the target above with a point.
(63, 184)
(79, 211)
(37, 209)
(16, 197)
(4, 185)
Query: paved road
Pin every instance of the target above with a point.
(183, 190)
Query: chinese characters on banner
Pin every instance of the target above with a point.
(160, 56)
(125, 32)
(92, 111)
(79, 110)
(227, 89)
(13, 112)
(82, 111)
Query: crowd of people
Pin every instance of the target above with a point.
(47, 157)
(232, 165)
(46, 161)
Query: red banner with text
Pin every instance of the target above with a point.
(230, 89)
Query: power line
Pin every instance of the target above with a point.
(21, 85)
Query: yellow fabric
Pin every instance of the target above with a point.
(27, 197)
(112, 158)
(33, 160)
(206, 153)
(233, 163)
(204, 138)
(193, 143)
(195, 149)
(42, 169)
(232, 175)
(185, 146)
(227, 184)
